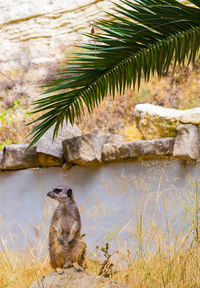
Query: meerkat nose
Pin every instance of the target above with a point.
(51, 194)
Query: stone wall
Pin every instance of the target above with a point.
(84, 150)
(72, 148)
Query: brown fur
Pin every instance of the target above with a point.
(65, 244)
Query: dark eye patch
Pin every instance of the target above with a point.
(57, 190)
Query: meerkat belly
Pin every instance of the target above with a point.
(66, 226)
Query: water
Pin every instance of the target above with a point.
(115, 198)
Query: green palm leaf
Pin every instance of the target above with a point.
(141, 40)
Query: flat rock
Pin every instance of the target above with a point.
(86, 150)
(156, 122)
(76, 279)
(191, 116)
(187, 142)
(50, 153)
(138, 149)
(114, 138)
(16, 157)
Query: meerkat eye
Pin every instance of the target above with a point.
(57, 190)
(69, 192)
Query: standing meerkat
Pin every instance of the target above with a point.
(65, 244)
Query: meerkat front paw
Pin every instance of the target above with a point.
(68, 265)
(61, 241)
(69, 241)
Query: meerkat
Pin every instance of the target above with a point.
(65, 243)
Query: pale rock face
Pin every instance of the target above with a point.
(138, 149)
(158, 122)
(44, 26)
(187, 142)
(77, 279)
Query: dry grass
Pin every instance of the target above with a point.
(19, 270)
(181, 270)
(158, 270)
(157, 260)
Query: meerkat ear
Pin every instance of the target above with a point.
(69, 192)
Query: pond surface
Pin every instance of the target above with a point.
(116, 201)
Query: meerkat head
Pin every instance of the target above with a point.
(61, 193)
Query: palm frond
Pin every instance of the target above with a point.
(141, 40)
